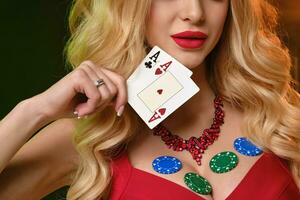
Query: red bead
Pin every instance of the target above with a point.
(195, 146)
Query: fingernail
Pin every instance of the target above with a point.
(76, 114)
(120, 111)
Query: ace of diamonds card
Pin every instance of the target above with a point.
(159, 86)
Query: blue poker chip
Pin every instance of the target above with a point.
(166, 164)
(245, 147)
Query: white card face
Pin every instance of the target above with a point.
(158, 93)
(159, 86)
(155, 64)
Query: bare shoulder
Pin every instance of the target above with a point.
(44, 164)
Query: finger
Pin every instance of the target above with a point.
(83, 84)
(109, 84)
(120, 83)
(103, 89)
(98, 70)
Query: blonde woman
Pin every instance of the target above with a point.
(238, 138)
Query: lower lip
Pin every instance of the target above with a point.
(189, 43)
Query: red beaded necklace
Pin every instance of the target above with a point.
(196, 146)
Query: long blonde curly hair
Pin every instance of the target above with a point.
(249, 67)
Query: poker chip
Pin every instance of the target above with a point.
(245, 147)
(197, 183)
(223, 162)
(166, 164)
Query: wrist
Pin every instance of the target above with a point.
(34, 111)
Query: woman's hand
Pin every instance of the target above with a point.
(78, 94)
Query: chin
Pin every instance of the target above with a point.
(188, 58)
(191, 63)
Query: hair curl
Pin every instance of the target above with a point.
(250, 68)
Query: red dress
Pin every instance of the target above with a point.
(268, 179)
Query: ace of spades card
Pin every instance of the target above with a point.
(159, 86)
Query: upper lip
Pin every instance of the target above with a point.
(190, 34)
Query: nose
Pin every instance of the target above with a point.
(192, 10)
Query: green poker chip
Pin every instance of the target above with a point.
(197, 183)
(223, 162)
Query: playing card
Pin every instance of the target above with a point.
(160, 91)
(156, 63)
(159, 86)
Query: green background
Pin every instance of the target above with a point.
(32, 34)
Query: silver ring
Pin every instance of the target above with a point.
(99, 82)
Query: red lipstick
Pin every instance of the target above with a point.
(190, 39)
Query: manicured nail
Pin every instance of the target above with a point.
(76, 114)
(120, 111)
